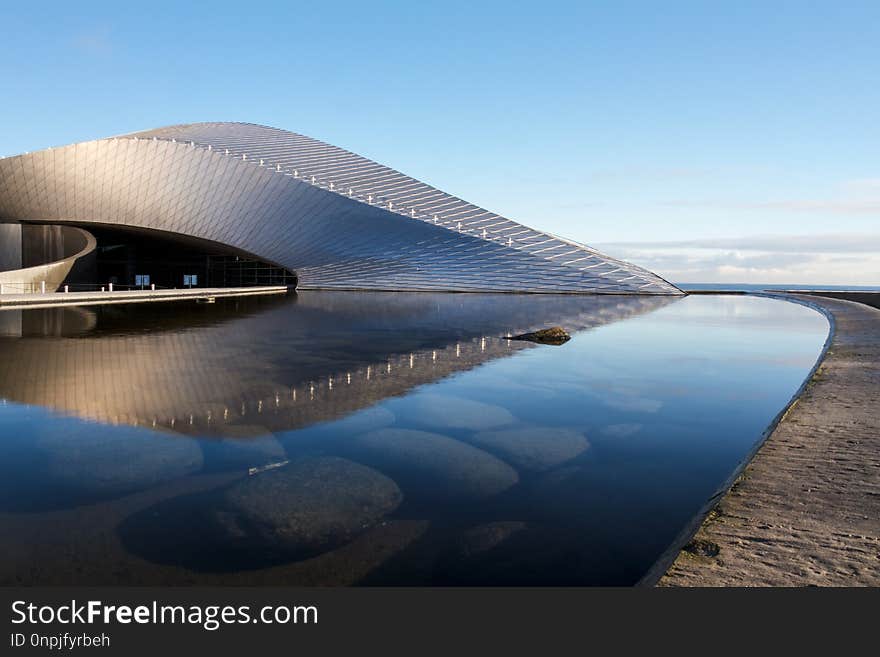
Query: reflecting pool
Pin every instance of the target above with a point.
(337, 438)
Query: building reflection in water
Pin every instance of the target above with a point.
(255, 366)
(298, 440)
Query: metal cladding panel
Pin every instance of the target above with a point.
(10, 247)
(336, 219)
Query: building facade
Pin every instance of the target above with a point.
(325, 216)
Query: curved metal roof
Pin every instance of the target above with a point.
(337, 219)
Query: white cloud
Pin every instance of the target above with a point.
(857, 196)
(863, 185)
(832, 206)
(838, 259)
(820, 243)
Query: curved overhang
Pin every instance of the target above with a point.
(340, 221)
(49, 276)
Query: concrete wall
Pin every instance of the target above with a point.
(69, 242)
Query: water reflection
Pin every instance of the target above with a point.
(251, 367)
(341, 438)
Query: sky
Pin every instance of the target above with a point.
(709, 142)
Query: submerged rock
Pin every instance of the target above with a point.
(621, 430)
(311, 505)
(534, 448)
(95, 460)
(483, 538)
(244, 453)
(438, 466)
(448, 412)
(555, 335)
(511, 553)
(362, 421)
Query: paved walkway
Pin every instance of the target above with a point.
(806, 510)
(129, 296)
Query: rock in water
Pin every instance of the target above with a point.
(93, 461)
(533, 448)
(314, 504)
(436, 465)
(448, 412)
(555, 335)
(483, 538)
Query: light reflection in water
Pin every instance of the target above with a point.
(339, 438)
(258, 355)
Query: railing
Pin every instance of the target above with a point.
(30, 287)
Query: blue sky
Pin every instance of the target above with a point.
(728, 142)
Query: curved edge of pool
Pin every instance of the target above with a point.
(668, 556)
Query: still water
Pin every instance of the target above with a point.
(340, 438)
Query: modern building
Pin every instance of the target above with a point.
(228, 204)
